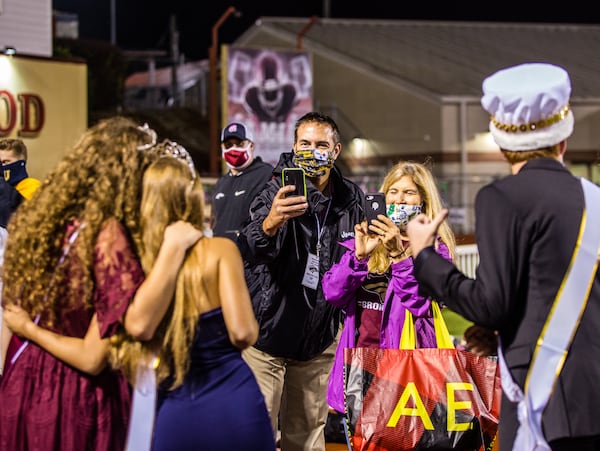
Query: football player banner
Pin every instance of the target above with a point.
(267, 90)
(421, 399)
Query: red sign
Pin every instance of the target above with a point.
(26, 110)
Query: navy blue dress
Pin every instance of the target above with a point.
(219, 406)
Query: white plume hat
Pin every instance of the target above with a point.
(528, 106)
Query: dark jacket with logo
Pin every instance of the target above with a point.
(295, 321)
(233, 194)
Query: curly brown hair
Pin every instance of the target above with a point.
(100, 178)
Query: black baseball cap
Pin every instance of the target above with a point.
(236, 130)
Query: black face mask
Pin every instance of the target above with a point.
(15, 172)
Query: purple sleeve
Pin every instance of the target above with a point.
(405, 292)
(118, 275)
(342, 280)
(406, 287)
(443, 250)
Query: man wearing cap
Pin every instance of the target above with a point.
(243, 181)
(537, 282)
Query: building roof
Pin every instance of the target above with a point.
(442, 60)
(188, 74)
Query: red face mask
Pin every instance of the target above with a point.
(236, 157)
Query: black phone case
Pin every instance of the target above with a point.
(296, 177)
(374, 205)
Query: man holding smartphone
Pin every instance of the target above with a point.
(288, 243)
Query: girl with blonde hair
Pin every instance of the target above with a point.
(197, 335)
(374, 282)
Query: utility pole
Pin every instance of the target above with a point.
(326, 8)
(213, 87)
(174, 38)
(113, 22)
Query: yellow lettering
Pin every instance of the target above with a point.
(410, 391)
(454, 405)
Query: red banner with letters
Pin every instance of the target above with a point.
(421, 399)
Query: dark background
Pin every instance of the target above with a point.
(144, 25)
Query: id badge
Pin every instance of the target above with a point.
(311, 272)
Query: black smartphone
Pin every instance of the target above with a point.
(296, 177)
(374, 205)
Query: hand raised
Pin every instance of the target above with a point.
(389, 234)
(181, 234)
(422, 231)
(284, 208)
(365, 242)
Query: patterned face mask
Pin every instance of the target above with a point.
(314, 162)
(400, 214)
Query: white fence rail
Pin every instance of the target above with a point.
(467, 259)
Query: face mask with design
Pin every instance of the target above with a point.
(15, 172)
(400, 214)
(315, 162)
(237, 157)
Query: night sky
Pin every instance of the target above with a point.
(145, 25)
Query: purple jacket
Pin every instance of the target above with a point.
(339, 286)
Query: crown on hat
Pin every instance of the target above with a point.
(528, 106)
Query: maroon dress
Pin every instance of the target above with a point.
(48, 405)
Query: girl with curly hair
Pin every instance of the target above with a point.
(71, 268)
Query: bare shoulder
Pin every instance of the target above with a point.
(221, 247)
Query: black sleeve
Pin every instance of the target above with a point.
(10, 199)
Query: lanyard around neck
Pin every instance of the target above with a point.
(320, 228)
